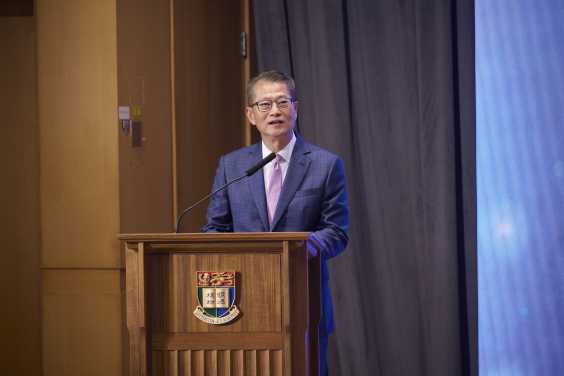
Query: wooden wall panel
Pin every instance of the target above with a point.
(81, 322)
(174, 276)
(77, 92)
(81, 281)
(143, 56)
(209, 97)
(20, 347)
(251, 65)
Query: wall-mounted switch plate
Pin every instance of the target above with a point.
(125, 126)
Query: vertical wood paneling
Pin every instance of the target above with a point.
(77, 93)
(171, 363)
(20, 276)
(217, 363)
(210, 363)
(286, 330)
(142, 306)
(275, 362)
(237, 363)
(157, 290)
(158, 368)
(184, 363)
(259, 311)
(197, 362)
(224, 363)
(145, 173)
(78, 338)
(132, 278)
(250, 360)
(208, 71)
(298, 308)
(263, 363)
(252, 135)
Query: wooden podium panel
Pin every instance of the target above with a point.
(276, 291)
(173, 285)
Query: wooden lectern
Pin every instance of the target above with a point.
(277, 294)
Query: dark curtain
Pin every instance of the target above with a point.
(389, 87)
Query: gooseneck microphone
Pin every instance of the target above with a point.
(249, 172)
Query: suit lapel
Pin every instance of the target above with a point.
(256, 183)
(299, 164)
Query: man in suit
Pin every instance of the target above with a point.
(302, 189)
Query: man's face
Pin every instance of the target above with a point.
(275, 123)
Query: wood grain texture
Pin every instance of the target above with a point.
(216, 341)
(210, 363)
(228, 237)
(207, 41)
(224, 363)
(298, 308)
(144, 336)
(268, 336)
(20, 275)
(276, 364)
(81, 334)
(184, 363)
(215, 247)
(287, 317)
(250, 362)
(174, 276)
(314, 313)
(133, 325)
(158, 363)
(216, 363)
(81, 281)
(252, 135)
(263, 363)
(143, 54)
(198, 362)
(77, 92)
(237, 363)
(171, 363)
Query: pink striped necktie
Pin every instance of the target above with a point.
(274, 187)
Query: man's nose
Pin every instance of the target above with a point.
(274, 110)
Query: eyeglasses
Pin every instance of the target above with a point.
(266, 105)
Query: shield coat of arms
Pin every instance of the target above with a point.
(216, 294)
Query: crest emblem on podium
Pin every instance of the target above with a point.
(216, 294)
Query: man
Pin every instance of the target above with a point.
(302, 189)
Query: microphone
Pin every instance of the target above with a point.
(249, 172)
(260, 165)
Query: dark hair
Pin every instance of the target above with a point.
(271, 76)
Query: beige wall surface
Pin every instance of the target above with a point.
(81, 325)
(77, 86)
(20, 345)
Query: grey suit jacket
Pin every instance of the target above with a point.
(313, 199)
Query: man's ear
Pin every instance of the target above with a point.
(251, 115)
(296, 108)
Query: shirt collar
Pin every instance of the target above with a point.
(286, 153)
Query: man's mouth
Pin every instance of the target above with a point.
(275, 122)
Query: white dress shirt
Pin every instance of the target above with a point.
(286, 154)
